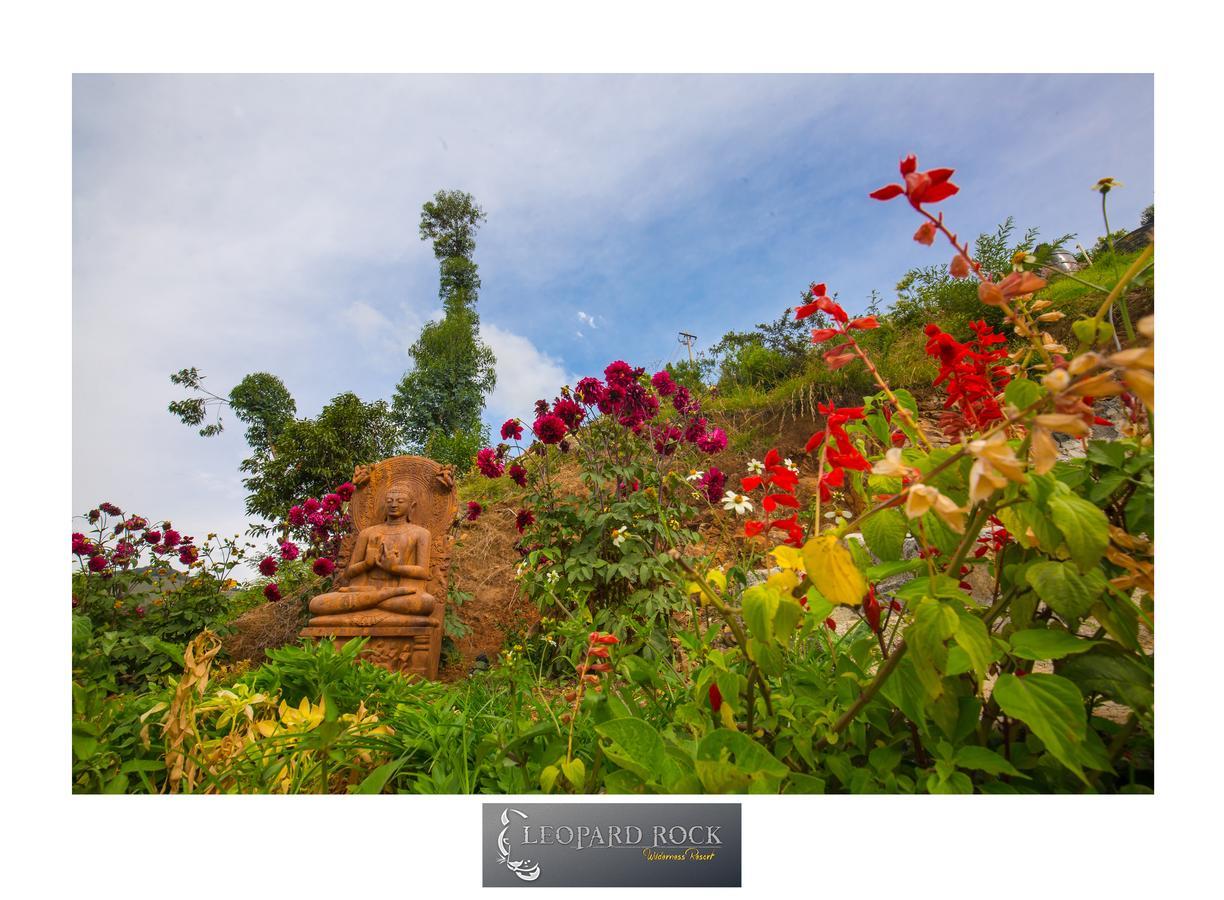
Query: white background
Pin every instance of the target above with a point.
(982, 847)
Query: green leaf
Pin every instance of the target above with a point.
(575, 772)
(818, 606)
(1053, 709)
(1109, 670)
(981, 759)
(934, 622)
(766, 656)
(760, 606)
(1021, 392)
(1063, 589)
(731, 762)
(1047, 643)
(789, 614)
(889, 569)
(635, 746)
(377, 780)
(972, 637)
(548, 778)
(885, 533)
(1084, 527)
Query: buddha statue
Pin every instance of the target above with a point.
(385, 580)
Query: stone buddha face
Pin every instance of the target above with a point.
(398, 503)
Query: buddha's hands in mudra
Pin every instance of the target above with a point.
(383, 561)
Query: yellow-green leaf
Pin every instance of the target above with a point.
(831, 569)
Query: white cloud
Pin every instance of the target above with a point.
(524, 373)
(587, 320)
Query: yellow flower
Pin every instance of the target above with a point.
(1105, 185)
(891, 465)
(996, 451)
(305, 717)
(923, 497)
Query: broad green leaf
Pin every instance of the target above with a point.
(906, 400)
(766, 656)
(818, 606)
(889, 569)
(885, 533)
(905, 690)
(1083, 526)
(934, 622)
(1053, 708)
(789, 614)
(731, 762)
(635, 746)
(798, 783)
(953, 783)
(1063, 589)
(1021, 392)
(575, 771)
(1047, 643)
(1109, 670)
(981, 759)
(548, 778)
(972, 637)
(760, 604)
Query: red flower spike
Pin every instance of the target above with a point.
(601, 652)
(865, 322)
(820, 335)
(920, 187)
(715, 698)
(808, 309)
(814, 441)
(835, 360)
(871, 609)
(773, 501)
(772, 458)
(751, 483)
(753, 528)
(783, 478)
(830, 624)
(887, 192)
(926, 233)
(825, 304)
(608, 639)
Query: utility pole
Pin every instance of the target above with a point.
(688, 339)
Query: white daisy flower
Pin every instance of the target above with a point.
(737, 503)
(694, 475)
(756, 467)
(790, 465)
(620, 535)
(552, 577)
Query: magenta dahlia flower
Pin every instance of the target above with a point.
(550, 429)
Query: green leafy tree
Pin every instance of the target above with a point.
(439, 401)
(290, 458)
(311, 456)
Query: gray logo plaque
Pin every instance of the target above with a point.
(611, 844)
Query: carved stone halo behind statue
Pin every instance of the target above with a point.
(391, 573)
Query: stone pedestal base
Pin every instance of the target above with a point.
(409, 650)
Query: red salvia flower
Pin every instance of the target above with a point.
(920, 187)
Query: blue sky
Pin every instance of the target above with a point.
(264, 223)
